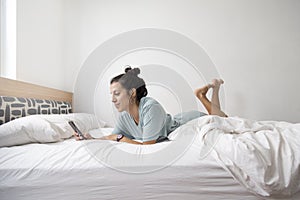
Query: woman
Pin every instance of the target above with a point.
(143, 118)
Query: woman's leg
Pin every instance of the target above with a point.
(215, 101)
(213, 107)
(201, 95)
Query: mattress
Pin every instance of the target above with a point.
(67, 170)
(209, 157)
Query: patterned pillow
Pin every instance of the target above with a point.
(16, 107)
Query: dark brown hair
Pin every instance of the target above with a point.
(130, 80)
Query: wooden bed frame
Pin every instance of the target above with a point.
(14, 88)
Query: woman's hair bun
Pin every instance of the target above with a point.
(130, 79)
(128, 68)
(134, 71)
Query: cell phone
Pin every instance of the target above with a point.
(76, 129)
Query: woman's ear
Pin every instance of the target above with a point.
(133, 92)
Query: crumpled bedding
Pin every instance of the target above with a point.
(263, 156)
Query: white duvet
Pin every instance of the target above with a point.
(263, 156)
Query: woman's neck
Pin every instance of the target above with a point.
(134, 112)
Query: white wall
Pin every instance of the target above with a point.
(40, 44)
(255, 44)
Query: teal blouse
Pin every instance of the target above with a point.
(153, 121)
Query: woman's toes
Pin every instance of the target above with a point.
(217, 82)
(221, 81)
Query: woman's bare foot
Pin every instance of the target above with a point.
(217, 82)
(213, 106)
(201, 92)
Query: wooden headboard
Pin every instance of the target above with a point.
(16, 88)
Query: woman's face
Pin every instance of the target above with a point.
(120, 96)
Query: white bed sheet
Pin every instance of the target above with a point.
(66, 170)
(72, 169)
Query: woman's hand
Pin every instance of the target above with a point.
(87, 136)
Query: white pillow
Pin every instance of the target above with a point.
(100, 132)
(45, 128)
(27, 130)
(83, 121)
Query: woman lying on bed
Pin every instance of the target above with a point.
(143, 118)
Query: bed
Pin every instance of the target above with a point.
(208, 158)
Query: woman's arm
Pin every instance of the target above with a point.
(113, 137)
(127, 140)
